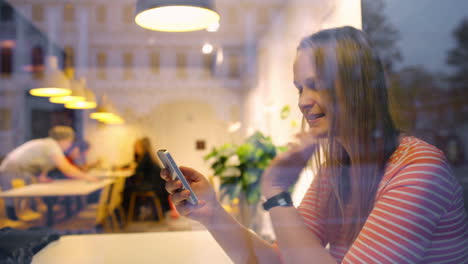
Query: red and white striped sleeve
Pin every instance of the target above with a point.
(311, 209)
(400, 226)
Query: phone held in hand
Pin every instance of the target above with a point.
(174, 170)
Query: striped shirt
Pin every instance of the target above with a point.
(418, 214)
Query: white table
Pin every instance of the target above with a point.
(160, 247)
(111, 174)
(58, 188)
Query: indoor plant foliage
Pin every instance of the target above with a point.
(240, 167)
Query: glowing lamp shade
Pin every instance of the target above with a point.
(76, 95)
(105, 110)
(175, 15)
(116, 120)
(81, 105)
(49, 92)
(65, 99)
(102, 116)
(55, 83)
(88, 103)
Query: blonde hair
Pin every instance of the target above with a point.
(61, 133)
(351, 73)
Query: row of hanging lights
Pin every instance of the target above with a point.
(73, 94)
(159, 15)
(106, 113)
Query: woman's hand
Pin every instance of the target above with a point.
(284, 170)
(207, 206)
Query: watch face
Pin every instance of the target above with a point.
(282, 202)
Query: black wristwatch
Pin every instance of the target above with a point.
(281, 199)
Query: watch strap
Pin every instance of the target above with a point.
(282, 199)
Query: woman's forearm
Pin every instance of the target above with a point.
(297, 243)
(241, 245)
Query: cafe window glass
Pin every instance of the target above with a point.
(209, 64)
(232, 15)
(127, 14)
(263, 16)
(68, 13)
(101, 14)
(155, 61)
(38, 12)
(37, 62)
(127, 65)
(101, 65)
(181, 63)
(234, 67)
(5, 119)
(6, 61)
(6, 12)
(69, 60)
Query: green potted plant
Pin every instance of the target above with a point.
(240, 168)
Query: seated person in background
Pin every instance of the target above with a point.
(147, 174)
(37, 157)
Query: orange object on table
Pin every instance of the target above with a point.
(174, 214)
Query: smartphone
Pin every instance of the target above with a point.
(175, 172)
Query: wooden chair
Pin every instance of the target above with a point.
(144, 194)
(115, 203)
(23, 209)
(93, 216)
(6, 222)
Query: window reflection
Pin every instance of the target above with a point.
(6, 60)
(37, 62)
(164, 90)
(101, 65)
(38, 12)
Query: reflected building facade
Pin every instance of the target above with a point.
(163, 85)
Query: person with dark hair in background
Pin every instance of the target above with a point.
(146, 176)
(378, 196)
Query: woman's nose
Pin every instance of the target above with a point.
(306, 101)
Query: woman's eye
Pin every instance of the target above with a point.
(311, 84)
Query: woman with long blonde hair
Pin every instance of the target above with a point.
(379, 196)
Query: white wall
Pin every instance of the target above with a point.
(173, 118)
(277, 49)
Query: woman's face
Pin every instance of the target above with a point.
(312, 97)
(138, 149)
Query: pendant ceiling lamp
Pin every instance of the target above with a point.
(77, 89)
(104, 111)
(175, 15)
(116, 120)
(54, 83)
(88, 103)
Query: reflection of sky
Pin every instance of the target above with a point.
(426, 28)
